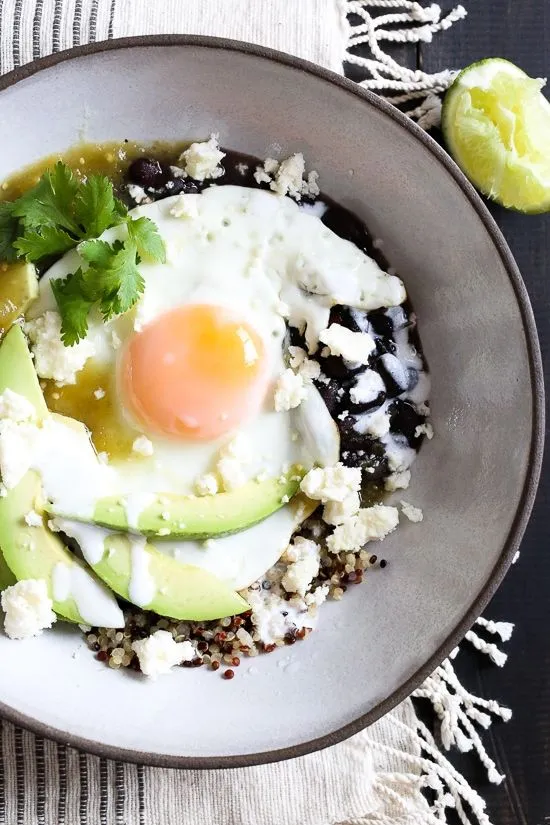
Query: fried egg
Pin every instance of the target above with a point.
(196, 362)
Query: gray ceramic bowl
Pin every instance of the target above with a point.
(475, 481)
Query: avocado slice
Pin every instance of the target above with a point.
(17, 371)
(18, 289)
(180, 591)
(198, 517)
(37, 553)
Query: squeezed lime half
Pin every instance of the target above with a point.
(496, 123)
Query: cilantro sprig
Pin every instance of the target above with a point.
(61, 213)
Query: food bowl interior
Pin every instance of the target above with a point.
(470, 480)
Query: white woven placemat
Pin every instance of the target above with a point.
(379, 775)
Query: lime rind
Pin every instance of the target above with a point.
(496, 124)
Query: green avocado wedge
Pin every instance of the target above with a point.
(180, 591)
(198, 517)
(34, 552)
(17, 371)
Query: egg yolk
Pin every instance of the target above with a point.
(195, 372)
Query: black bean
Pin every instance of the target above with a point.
(335, 367)
(344, 316)
(367, 406)
(384, 345)
(381, 323)
(147, 172)
(394, 374)
(414, 377)
(332, 396)
(404, 420)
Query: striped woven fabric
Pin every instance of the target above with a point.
(30, 29)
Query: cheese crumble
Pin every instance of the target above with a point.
(28, 609)
(52, 359)
(159, 653)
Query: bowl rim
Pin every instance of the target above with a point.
(537, 437)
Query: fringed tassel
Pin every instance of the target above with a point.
(460, 713)
(405, 22)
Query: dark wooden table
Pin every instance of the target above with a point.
(518, 30)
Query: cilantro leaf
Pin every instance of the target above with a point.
(74, 304)
(122, 281)
(49, 202)
(62, 212)
(97, 254)
(60, 209)
(9, 230)
(95, 206)
(144, 233)
(36, 244)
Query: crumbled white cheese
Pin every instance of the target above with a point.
(290, 391)
(378, 424)
(206, 485)
(397, 481)
(15, 407)
(274, 616)
(424, 429)
(159, 653)
(355, 347)
(370, 523)
(138, 193)
(185, 206)
(331, 483)
(303, 561)
(143, 446)
(310, 186)
(287, 177)
(33, 519)
(412, 513)
(309, 370)
(249, 347)
(28, 609)
(201, 160)
(17, 444)
(99, 393)
(177, 172)
(336, 512)
(232, 473)
(264, 174)
(52, 359)
(232, 464)
(367, 388)
(317, 597)
(297, 356)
